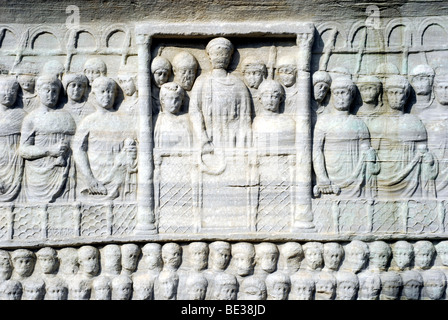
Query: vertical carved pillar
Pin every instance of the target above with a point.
(145, 192)
(303, 216)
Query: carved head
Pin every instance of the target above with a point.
(403, 253)
(23, 261)
(287, 70)
(412, 285)
(302, 285)
(314, 255)
(185, 67)
(88, 258)
(102, 288)
(48, 89)
(321, 85)
(75, 86)
(26, 76)
(53, 68)
(33, 289)
(56, 289)
(5, 265)
(130, 253)
(243, 255)
(370, 88)
(220, 254)
(397, 89)
(94, 68)
(68, 261)
(278, 286)
(357, 254)
(171, 255)
(196, 286)
(347, 286)
(422, 78)
(342, 92)
(220, 51)
(252, 288)
(434, 284)
(424, 252)
(161, 70)
(333, 255)
(79, 289)
(111, 257)
(442, 252)
(152, 255)
(369, 286)
(167, 284)
(121, 288)
(104, 89)
(271, 94)
(198, 252)
(267, 256)
(225, 287)
(293, 254)
(9, 87)
(391, 284)
(441, 86)
(11, 290)
(127, 83)
(325, 286)
(171, 97)
(254, 71)
(143, 289)
(380, 254)
(48, 260)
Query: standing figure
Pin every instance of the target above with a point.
(161, 72)
(45, 144)
(254, 73)
(422, 80)
(287, 76)
(321, 89)
(129, 106)
(26, 76)
(76, 86)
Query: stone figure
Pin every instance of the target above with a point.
(101, 288)
(344, 162)
(53, 68)
(325, 286)
(370, 89)
(33, 289)
(56, 289)
(185, 68)
(171, 256)
(167, 285)
(198, 253)
(218, 261)
(391, 285)
(107, 163)
(357, 255)
(79, 289)
(252, 288)
(412, 285)
(45, 144)
(130, 254)
(220, 103)
(94, 68)
(68, 262)
(111, 260)
(48, 261)
(161, 73)
(278, 286)
(403, 255)
(408, 168)
(76, 87)
(421, 78)
(434, 285)
(379, 257)
(302, 286)
(10, 290)
(6, 265)
(142, 288)
(287, 75)
(122, 288)
(293, 255)
(314, 255)
(266, 258)
(333, 256)
(254, 73)
(24, 261)
(347, 285)
(321, 90)
(243, 257)
(127, 80)
(173, 130)
(152, 258)
(442, 254)
(26, 76)
(89, 264)
(369, 286)
(424, 254)
(225, 287)
(196, 286)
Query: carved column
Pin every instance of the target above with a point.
(303, 216)
(145, 191)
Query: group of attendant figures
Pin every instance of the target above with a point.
(223, 271)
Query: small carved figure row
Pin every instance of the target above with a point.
(221, 270)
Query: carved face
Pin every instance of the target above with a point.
(33, 293)
(169, 288)
(199, 259)
(12, 293)
(254, 293)
(129, 259)
(293, 263)
(422, 84)
(325, 290)
(253, 77)
(369, 93)
(27, 82)
(441, 92)
(220, 258)
(346, 290)
(411, 290)
(185, 77)
(379, 259)
(48, 94)
(320, 90)
(435, 289)
(332, 258)
(287, 75)
(48, 264)
(105, 95)
(93, 73)
(279, 291)
(397, 98)
(102, 292)
(403, 257)
(342, 98)
(357, 259)
(112, 261)
(76, 90)
(442, 253)
(171, 101)
(197, 292)
(143, 292)
(5, 268)
(390, 290)
(89, 263)
(24, 266)
(268, 262)
(123, 292)
(153, 260)
(270, 99)
(244, 263)
(172, 258)
(423, 259)
(56, 293)
(303, 291)
(369, 290)
(127, 85)
(220, 56)
(226, 292)
(161, 76)
(8, 94)
(314, 258)
(80, 293)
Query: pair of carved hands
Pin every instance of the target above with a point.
(326, 188)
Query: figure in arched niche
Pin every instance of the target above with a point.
(107, 163)
(254, 72)
(45, 144)
(11, 118)
(422, 79)
(26, 76)
(344, 162)
(161, 73)
(76, 87)
(408, 168)
(321, 89)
